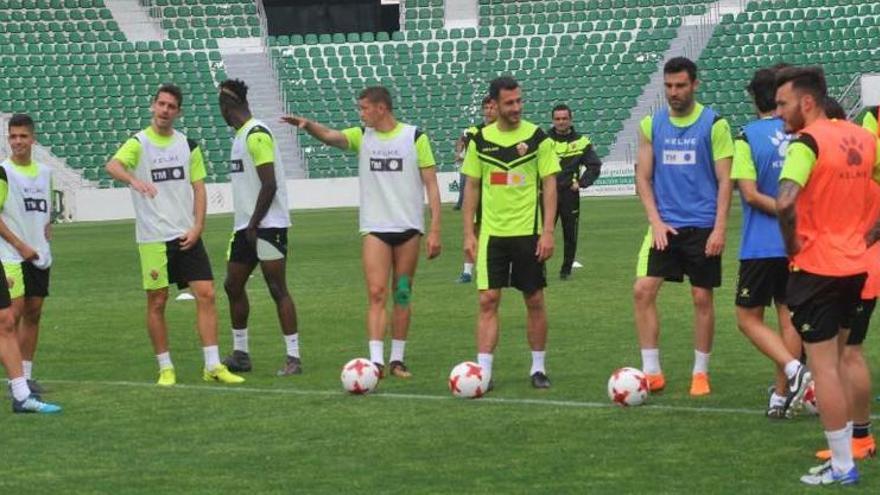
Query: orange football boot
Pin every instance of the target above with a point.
(700, 384)
(862, 448)
(656, 382)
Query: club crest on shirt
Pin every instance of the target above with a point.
(522, 148)
(514, 179)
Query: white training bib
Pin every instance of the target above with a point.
(391, 188)
(246, 183)
(169, 214)
(27, 211)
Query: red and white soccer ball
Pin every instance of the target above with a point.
(628, 387)
(810, 399)
(468, 381)
(360, 376)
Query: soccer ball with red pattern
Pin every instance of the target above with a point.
(360, 376)
(468, 381)
(810, 399)
(628, 387)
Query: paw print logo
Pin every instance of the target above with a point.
(781, 141)
(853, 150)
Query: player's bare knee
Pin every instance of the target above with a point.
(204, 294)
(7, 322)
(156, 300)
(852, 356)
(277, 290)
(233, 289)
(535, 301)
(32, 317)
(746, 320)
(378, 294)
(702, 299)
(489, 301)
(644, 293)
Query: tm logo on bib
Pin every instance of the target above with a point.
(386, 165)
(166, 174)
(236, 166)
(680, 157)
(36, 204)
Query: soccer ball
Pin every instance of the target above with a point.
(628, 387)
(810, 399)
(468, 381)
(360, 376)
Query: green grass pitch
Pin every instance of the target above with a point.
(120, 434)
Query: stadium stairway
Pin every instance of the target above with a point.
(461, 14)
(135, 21)
(265, 99)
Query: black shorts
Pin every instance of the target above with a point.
(271, 245)
(395, 239)
(36, 280)
(684, 255)
(5, 300)
(821, 305)
(761, 282)
(859, 320)
(163, 263)
(510, 262)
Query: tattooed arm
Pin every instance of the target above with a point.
(873, 235)
(785, 210)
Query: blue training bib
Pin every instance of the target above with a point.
(685, 185)
(761, 237)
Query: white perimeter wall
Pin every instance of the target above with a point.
(303, 194)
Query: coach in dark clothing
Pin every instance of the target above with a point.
(575, 152)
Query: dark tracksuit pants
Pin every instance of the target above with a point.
(568, 210)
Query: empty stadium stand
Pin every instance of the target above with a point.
(204, 19)
(68, 64)
(841, 35)
(595, 55)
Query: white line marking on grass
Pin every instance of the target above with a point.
(391, 395)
